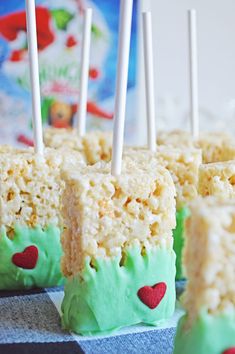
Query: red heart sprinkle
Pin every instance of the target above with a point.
(151, 296)
(230, 351)
(26, 259)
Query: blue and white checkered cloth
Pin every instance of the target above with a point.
(30, 323)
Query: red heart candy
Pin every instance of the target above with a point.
(151, 296)
(230, 351)
(26, 259)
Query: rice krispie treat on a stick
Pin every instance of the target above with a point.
(95, 146)
(209, 300)
(217, 179)
(183, 164)
(118, 256)
(30, 218)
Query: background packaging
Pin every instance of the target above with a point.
(59, 29)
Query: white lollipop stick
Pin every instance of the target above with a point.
(121, 84)
(34, 75)
(86, 40)
(193, 56)
(149, 78)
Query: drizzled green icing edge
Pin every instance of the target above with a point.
(104, 298)
(179, 236)
(47, 271)
(210, 334)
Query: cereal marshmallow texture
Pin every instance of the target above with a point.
(209, 258)
(31, 187)
(103, 214)
(94, 146)
(183, 165)
(217, 179)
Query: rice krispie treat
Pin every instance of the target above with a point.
(183, 164)
(118, 258)
(216, 146)
(59, 137)
(217, 179)
(94, 146)
(175, 138)
(30, 218)
(209, 300)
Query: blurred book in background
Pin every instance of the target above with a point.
(59, 28)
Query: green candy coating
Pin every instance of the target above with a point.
(103, 297)
(179, 236)
(210, 334)
(47, 271)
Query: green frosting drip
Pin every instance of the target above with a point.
(47, 270)
(103, 297)
(178, 234)
(210, 334)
